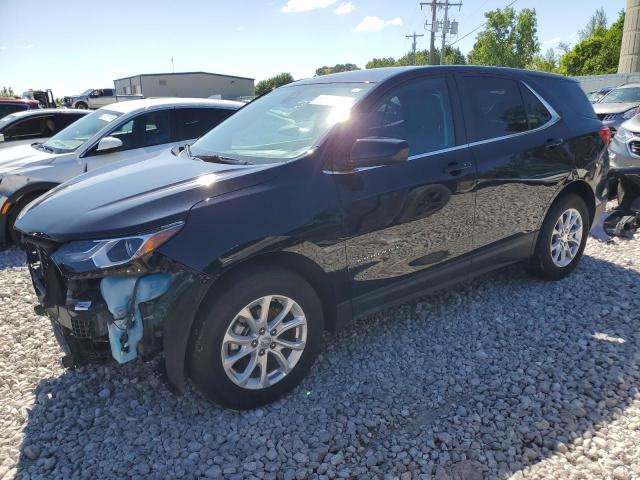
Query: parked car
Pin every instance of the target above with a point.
(12, 105)
(619, 105)
(324, 200)
(97, 97)
(31, 126)
(624, 155)
(115, 135)
(595, 96)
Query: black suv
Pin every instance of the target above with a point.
(324, 200)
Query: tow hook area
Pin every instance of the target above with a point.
(123, 296)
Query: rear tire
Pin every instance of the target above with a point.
(562, 238)
(229, 338)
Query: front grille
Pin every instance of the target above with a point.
(635, 147)
(607, 116)
(46, 278)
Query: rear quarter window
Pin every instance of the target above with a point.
(563, 93)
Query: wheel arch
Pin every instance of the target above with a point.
(17, 196)
(583, 190)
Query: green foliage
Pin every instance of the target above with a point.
(340, 67)
(598, 21)
(596, 55)
(509, 39)
(545, 63)
(453, 57)
(59, 102)
(7, 92)
(269, 84)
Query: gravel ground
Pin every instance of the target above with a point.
(506, 376)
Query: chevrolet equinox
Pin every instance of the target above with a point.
(324, 200)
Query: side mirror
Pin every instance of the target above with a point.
(378, 151)
(108, 144)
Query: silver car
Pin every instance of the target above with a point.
(619, 105)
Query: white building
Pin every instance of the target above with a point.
(186, 84)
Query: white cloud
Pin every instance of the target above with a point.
(375, 24)
(344, 8)
(296, 6)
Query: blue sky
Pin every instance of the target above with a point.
(70, 45)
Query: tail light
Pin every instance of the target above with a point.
(606, 135)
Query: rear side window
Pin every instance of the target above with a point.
(419, 112)
(566, 93)
(63, 120)
(537, 113)
(495, 106)
(195, 122)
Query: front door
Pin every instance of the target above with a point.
(143, 137)
(409, 223)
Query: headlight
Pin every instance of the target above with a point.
(623, 135)
(630, 113)
(86, 255)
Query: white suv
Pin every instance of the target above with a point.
(123, 132)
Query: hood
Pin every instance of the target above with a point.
(633, 124)
(134, 198)
(606, 108)
(14, 158)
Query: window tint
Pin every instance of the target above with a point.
(418, 112)
(6, 109)
(146, 130)
(40, 126)
(495, 105)
(63, 120)
(537, 113)
(107, 92)
(195, 122)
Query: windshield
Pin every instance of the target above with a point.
(87, 92)
(76, 134)
(281, 125)
(622, 95)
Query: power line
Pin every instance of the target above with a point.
(478, 27)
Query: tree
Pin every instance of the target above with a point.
(545, 63)
(596, 55)
(453, 57)
(381, 62)
(276, 81)
(7, 92)
(597, 22)
(509, 39)
(340, 67)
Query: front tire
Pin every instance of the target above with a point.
(14, 235)
(81, 106)
(562, 238)
(255, 340)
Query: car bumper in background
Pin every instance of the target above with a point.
(4, 212)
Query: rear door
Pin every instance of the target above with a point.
(143, 136)
(408, 226)
(518, 144)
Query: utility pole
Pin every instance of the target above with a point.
(435, 4)
(173, 69)
(413, 48)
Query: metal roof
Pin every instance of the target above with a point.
(182, 73)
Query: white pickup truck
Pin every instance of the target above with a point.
(97, 97)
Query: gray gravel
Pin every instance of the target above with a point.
(506, 376)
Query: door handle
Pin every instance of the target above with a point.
(554, 143)
(455, 168)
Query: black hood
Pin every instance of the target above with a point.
(134, 198)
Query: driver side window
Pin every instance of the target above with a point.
(419, 112)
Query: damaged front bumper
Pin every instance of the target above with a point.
(119, 313)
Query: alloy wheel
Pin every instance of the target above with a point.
(264, 342)
(566, 237)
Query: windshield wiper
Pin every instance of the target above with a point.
(221, 159)
(42, 146)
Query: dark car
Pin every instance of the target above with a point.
(12, 105)
(324, 200)
(29, 126)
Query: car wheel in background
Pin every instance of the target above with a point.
(255, 340)
(562, 238)
(14, 236)
(81, 106)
